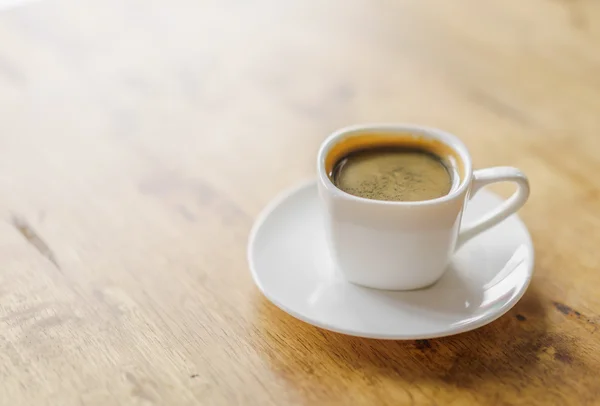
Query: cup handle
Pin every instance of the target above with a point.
(484, 177)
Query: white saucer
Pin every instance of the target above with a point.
(290, 264)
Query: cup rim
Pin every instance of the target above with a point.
(445, 137)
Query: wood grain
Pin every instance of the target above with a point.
(139, 140)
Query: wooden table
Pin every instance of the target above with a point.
(139, 140)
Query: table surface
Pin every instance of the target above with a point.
(140, 139)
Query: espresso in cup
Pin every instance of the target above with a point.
(393, 197)
(398, 169)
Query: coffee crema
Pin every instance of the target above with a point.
(400, 169)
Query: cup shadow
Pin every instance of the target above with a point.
(504, 352)
(450, 295)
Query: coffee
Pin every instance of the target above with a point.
(393, 173)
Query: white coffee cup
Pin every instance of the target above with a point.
(399, 245)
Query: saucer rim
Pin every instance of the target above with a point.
(473, 325)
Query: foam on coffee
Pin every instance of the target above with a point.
(397, 169)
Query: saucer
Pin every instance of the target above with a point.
(291, 265)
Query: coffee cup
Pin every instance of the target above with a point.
(405, 244)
